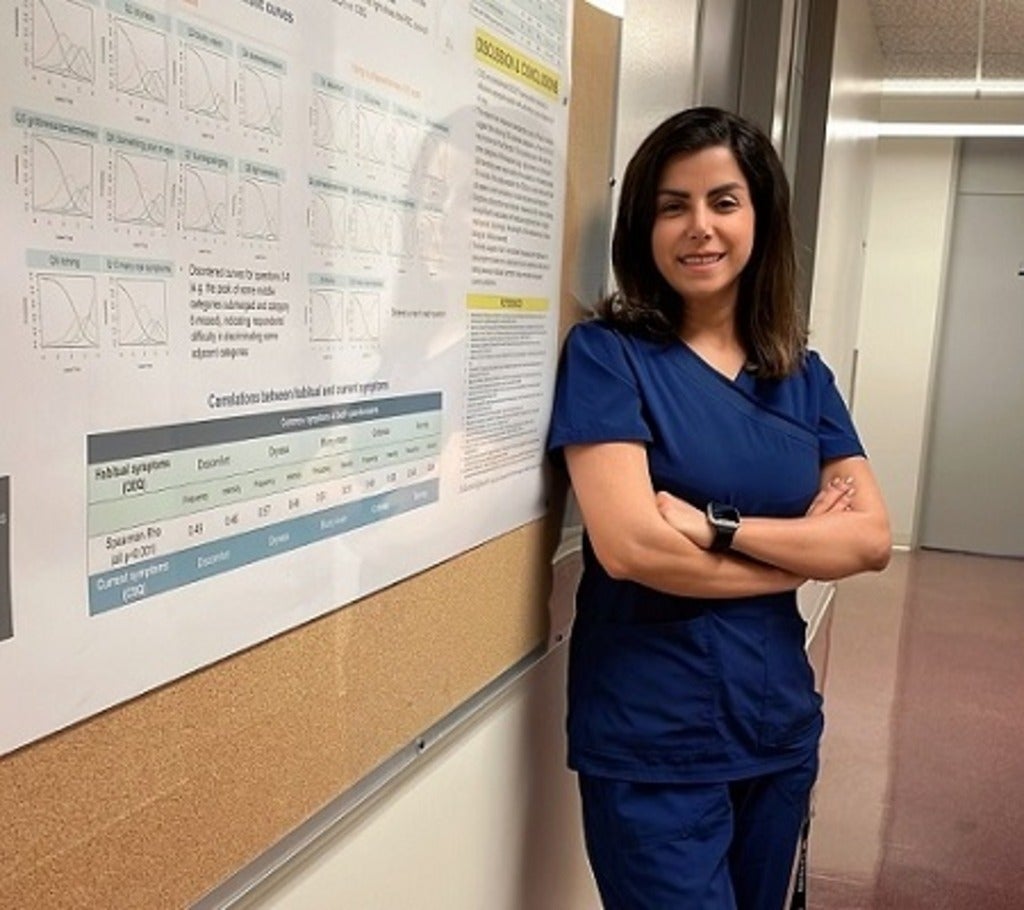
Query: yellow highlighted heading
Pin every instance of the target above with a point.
(506, 302)
(506, 59)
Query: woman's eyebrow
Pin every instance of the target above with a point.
(714, 191)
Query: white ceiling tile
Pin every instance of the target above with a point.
(1004, 27)
(941, 13)
(930, 66)
(923, 39)
(1003, 66)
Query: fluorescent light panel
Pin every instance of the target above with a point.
(1009, 130)
(951, 87)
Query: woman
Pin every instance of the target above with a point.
(716, 468)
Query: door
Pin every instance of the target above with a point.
(973, 499)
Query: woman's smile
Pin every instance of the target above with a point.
(698, 260)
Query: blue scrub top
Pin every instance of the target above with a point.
(680, 689)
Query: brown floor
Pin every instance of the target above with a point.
(920, 803)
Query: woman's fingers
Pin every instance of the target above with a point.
(682, 516)
(673, 510)
(686, 519)
(835, 496)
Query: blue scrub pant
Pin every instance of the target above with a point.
(721, 846)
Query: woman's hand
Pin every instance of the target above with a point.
(688, 520)
(835, 496)
(845, 530)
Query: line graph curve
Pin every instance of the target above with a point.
(430, 236)
(328, 213)
(67, 311)
(362, 317)
(62, 176)
(140, 189)
(205, 204)
(261, 100)
(371, 132)
(206, 84)
(370, 227)
(434, 162)
(140, 61)
(403, 233)
(330, 122)
(406, 142)
(63, 39)
(140, 306)
(326, 315)
(260, 205)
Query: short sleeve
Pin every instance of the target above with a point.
(837, 436)
(597, 397)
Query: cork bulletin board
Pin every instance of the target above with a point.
(154, 802)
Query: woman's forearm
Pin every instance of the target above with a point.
(632, 541)
(845, 531)
(822, 546)
(673, 564)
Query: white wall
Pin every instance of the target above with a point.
(911, 212)
(847, 174)
(489, 821)
(657, 72)
(884, 219)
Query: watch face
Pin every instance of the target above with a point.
(727, 516)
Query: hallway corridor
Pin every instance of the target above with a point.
(920, 804)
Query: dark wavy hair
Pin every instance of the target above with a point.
(769, 324)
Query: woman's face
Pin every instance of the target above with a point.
(703, 230)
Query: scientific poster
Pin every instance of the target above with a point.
(279, 322)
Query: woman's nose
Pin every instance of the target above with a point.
(698, 228)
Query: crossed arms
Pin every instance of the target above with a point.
(661, 541)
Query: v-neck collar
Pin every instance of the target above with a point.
(741, 393)
(744, 379)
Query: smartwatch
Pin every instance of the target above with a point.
(725, 521)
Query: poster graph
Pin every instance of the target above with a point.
(141, 61)
(140, 306)
(205, 200)
(261, 94)
(62, 177)
(68, 311)
(64, 39)
(140, 189)
(206, 88)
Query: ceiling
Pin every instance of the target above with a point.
(951, 39)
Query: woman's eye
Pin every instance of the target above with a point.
(727, 204)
